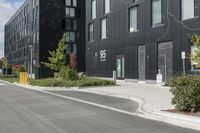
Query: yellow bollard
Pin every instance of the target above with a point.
(23, 78)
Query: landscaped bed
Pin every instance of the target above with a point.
(9, 78)
(82, 82)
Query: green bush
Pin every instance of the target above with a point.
(186, 91)
(68, 74)
(82, 82)
(9, 78)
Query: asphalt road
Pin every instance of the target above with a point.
(27, 111)
(118, 103)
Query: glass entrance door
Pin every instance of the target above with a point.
(120, 66)
(165, 59)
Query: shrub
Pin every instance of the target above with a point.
(68, 74)
(82, 82)
(22, 68)
(186, 91)
(94, 82)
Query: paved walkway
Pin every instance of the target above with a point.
(156, 97)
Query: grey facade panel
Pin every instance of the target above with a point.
(120, 41)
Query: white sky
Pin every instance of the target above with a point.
(7, 9)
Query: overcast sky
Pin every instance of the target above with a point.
(7, 9)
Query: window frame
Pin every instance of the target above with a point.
(129, 18)
(106, 32)
(181, 11)
(104, 3)
(152, 14)
(89, 35)
(92, 12)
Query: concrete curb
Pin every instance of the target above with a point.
(170, 118)
(5, 81)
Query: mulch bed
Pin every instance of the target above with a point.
(185, 113)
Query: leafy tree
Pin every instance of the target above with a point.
(1, 64)
(57, 58)
(196, 55)
(5, 64)
(73, 61)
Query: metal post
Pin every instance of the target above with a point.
(31, 61)
(114, 76)
(183, 66)
(165, 71)
(183, 58)
(31, 67)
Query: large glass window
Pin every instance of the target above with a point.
(93, 10)
(70, 37)
(156, 12)
(71, 2)
(68, 24)
(133, 19)
(68, 2)
(75, 49)
(107, 6)
(71, 24)
(187, 9)
(70, 11)
(104, 28)
(74, 2)
(91, 32)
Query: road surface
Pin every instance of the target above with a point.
(28, 111)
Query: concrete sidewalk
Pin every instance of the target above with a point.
(153, 100)
(156, 97)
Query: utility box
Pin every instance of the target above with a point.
(23, 78)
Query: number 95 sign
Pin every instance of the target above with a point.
(103, 55)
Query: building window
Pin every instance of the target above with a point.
(194, 65)
(68, 2)
(74, 2)
(156, 12)
(71, 24)
(91, 32)
(133, 19)
(187, 9)
(93, 10)
(104, 28)
(68, 24)
(74, 49)
(70, 37)
(71, 2)
(70, 11)
(107, 6)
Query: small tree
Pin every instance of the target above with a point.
(196, 55)
(57, 58)
(1, 64)
(5, 64)
(73, 62)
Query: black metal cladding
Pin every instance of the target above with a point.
(42, 23)
(121, 42)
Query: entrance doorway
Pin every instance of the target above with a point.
(120, 66)
(165, 59)
(141, 63)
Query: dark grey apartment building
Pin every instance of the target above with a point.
(137, 38)
(40, 24)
